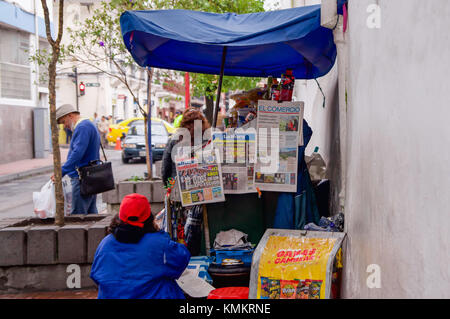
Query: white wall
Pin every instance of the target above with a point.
(398, 173)
(28, 5)
(324, 121)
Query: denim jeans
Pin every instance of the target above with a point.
(82, 204)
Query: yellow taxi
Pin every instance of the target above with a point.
(120, 129)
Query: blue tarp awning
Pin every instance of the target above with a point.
(258, 44)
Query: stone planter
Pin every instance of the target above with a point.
(153, 190)
(35, 254)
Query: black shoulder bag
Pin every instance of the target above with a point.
(97, 177)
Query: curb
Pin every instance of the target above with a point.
(31, 172)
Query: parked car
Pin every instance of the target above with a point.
(133, 146)
(121, 129)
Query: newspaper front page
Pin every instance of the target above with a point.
(237, 151)
(278, 126)
(199, 179)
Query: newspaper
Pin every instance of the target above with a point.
(279, 127)
(199, 179)
(193, 285)
(237, 151)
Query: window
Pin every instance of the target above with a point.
(157, 129)
(15, 72)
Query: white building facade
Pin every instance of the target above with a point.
(22, 32)
(105, 94)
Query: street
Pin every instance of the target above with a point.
(16, 197)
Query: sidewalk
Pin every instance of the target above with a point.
(28, 167)
(67, 294)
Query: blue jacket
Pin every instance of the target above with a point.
(84, 148)
(145, 270)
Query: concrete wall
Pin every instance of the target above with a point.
(16, 133)
(323, 119)
(398, 186)
(35, 254)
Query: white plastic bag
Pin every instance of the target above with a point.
(316, 166)
(44, 201)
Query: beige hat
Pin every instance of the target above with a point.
(64, 110)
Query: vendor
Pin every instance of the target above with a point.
(192, 229)
(136, 260)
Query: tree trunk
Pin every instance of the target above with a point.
(59, 215)
(55, 44)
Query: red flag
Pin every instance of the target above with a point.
(187, 95)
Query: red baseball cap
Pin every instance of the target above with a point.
(134, 210)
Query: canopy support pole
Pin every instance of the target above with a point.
(219, 88)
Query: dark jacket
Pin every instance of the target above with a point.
(168, 168)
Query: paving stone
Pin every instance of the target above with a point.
(113, 209)
(125, 188)
(156, 208)
(144, 188)
(158, 191)
(13, 246)
(72, 244)
(42, 245)
(111, 197)
(95, 234)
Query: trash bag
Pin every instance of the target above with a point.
(232, 239)
(45, 201)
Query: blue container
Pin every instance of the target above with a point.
(201, 263)
(243, 255)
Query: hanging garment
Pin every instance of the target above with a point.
(295, 210)
(193, 229)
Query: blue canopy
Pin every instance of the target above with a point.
(258, 44)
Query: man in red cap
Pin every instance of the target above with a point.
(136, 260)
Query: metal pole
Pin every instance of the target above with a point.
(149, 122)
(206, 230)
(76, 86)
(219, 89)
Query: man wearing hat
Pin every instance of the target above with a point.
(84, 148)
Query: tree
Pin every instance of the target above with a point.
(55, 55)
(97, 42)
